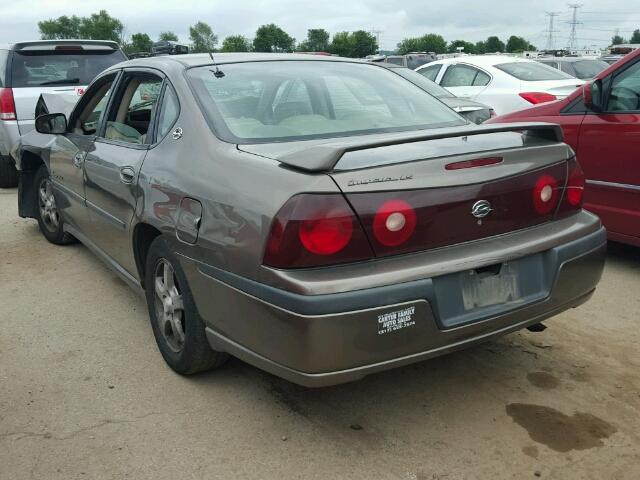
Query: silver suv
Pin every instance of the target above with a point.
(28, 69)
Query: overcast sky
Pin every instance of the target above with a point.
(470, 20)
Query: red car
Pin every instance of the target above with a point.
(601, 122)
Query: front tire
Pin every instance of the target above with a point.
(177, 327)
(47, 214)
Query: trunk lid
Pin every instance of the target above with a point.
(560, 88)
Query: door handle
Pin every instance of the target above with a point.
(127, 175)
(78, 159)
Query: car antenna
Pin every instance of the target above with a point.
(217, 72)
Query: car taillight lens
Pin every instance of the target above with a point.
(7, 105)
(545, 195)
(313, 230)
(574, 191)
(394, 223)
(537, 97)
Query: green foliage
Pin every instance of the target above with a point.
(317, 41)
(481, 47)
(168, 36)
(357, 44)
(235, 43)
(617, 40)
(98, 26)
(468, 46)
(494, 44)
(518, 44)
(635, 38)
(271, 38)
(60, 28)
(202, 38)
(139, 42)
(429, 42)
(101, 26)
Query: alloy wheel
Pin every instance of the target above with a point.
(169, 305)
(47, 205)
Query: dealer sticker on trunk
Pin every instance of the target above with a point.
(392, 321)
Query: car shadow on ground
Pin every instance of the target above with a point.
(624, 255)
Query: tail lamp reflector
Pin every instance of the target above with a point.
(477, 162)
(394, 223)
(545, 195)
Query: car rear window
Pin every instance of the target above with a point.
(586, 69)
(3, 66)
(532, 71)
(294, 100)
(60, 68)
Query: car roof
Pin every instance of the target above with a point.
(566, 59)
(51, 44)
(203, 59)
(481, 60)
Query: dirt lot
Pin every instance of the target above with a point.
(85, 394)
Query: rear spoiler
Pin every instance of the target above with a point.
(47, 45)
(324, 157)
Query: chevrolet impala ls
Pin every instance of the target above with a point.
(320, 218)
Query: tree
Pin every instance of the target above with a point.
(617, 40)
(518, 44)
(429, 42)
(635, 38)
(341, 44)
(271, 38)
(235, 43)
(101, 26)
(468, 47)
(168, 36)
(317, 41)
(60, 28)
(494, 44)
(140, 42)
(202, 38)
(481, 47)
(363, 44)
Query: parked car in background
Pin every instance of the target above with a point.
(411, 60)
(505, 83)
(169, 47)
(318, 217)
(601, 122)
(28, 69)
(611, 59)
(578, 67)
(475, 112)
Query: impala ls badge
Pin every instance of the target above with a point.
(481, 209)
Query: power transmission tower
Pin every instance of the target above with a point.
(376, 33)
(574, 23)
(551, 32)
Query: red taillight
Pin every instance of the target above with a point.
(7, 105)
(394, 223)
(538, 97)
(545, 195)
(575, 186)
(312, 230)
(477, 162)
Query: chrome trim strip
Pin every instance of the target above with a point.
(66, 190)
(107, 216)
(622, 186)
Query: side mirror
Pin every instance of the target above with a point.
(52, 123)
(592, 95)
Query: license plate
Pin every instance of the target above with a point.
(485, 288)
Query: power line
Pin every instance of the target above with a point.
(551, 44)
(574, 23)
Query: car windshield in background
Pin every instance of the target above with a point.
(586, 69)
(532, 71)
(432, 88)
(60, 68)
(296, 100)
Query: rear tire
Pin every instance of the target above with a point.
(49, 219)
(177, 326)
(8, 173)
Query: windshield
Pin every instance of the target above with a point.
(432, 88)
(59, 68)
(532, 71)
(586, 69)
(296, 100)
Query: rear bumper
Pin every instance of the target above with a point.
(320, 340)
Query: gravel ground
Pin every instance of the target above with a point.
(84, 392)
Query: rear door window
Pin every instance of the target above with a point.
(464, 76)
(60, 67)
(532, 71)
(430, 72)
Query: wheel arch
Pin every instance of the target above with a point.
(143, 235)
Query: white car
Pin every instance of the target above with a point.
(505, 83)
